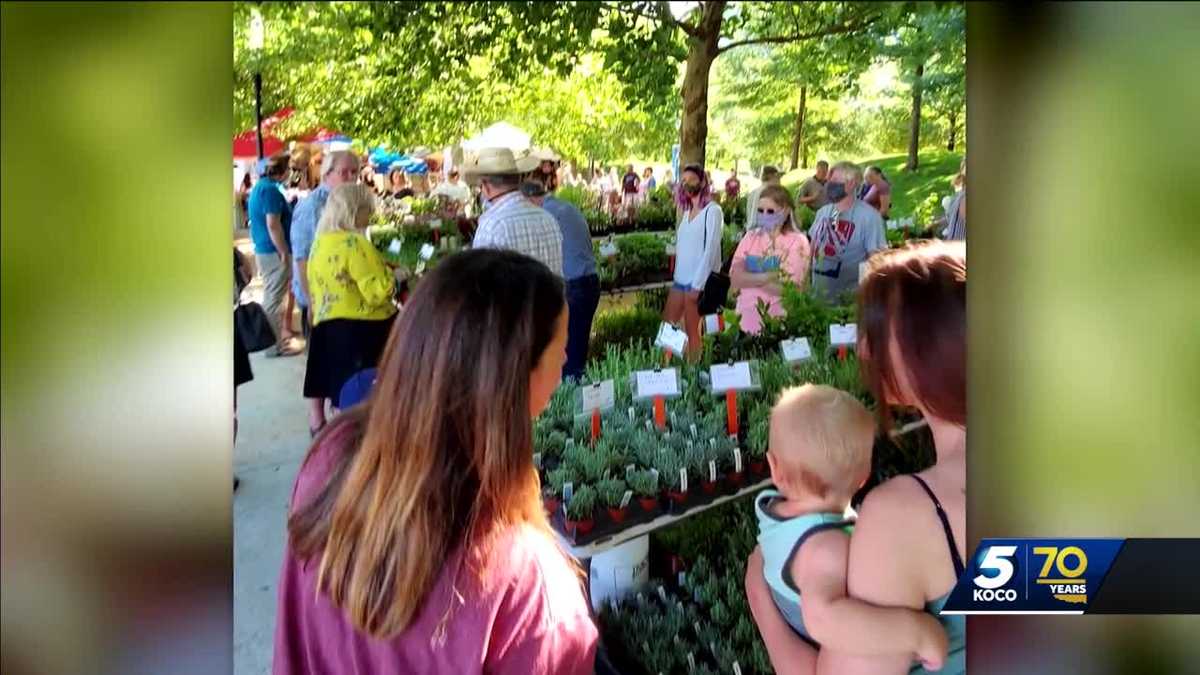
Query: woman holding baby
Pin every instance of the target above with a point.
(908, 543)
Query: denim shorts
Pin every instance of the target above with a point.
(682, 288)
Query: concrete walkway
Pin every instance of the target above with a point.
(271, 442)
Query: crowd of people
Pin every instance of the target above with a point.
(417, 540)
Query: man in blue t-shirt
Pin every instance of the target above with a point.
(270, 223)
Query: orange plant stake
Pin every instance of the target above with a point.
(660, 412)
(731, 411)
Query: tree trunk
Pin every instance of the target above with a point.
(702, 51)
(953, 129)
(798, 138)
(914, 129)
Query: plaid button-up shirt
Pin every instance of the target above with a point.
(513, 222)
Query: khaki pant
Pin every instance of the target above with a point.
(276, 279)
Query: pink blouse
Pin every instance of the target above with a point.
(791, 249)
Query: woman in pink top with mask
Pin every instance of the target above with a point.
(775, 250)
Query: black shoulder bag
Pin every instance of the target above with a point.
(716, 288)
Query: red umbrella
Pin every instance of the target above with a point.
(245, 144)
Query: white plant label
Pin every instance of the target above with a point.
(608, 249)
(843, 336)
(693, 430)
(796, 350)
(568, 492)
(712, 471)
(599, 396)
(691, 661)
(662, 593)
(435, 224)
(671, 249)
(683, 480)
(862, 271)
(712, 324)
(652, 383)
(420, 268)
(654, 472)
(630, 469)
(427, 251)
(670, 337)
(733, 377)
(737, 669)
(394, 247)
(737, 460)
(631, 413)
(444, 244)
(625, 498)
(537, 459)
(682, 578)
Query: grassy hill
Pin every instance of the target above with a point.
(909, 188)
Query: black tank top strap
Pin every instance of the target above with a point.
(954, 556)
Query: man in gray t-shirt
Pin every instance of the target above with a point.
(844, 234)
(812, 191)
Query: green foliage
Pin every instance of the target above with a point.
(643, 483)
(557, 477)
(610, 491)
(583, 503)
(669, 465)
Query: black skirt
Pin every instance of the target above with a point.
(241, 361)
(339, 348)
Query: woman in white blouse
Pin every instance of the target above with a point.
(697, 252)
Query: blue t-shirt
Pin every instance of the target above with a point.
(579, 260)
(267, 197)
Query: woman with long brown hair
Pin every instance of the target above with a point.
(909, 541)
(417, 542)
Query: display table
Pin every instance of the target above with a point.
(587, 551)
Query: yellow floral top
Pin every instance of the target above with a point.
(348, 279)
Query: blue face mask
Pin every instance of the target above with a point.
(769, 221)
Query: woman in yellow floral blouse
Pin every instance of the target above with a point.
(352, 290)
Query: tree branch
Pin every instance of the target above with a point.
(664, 10)
(780, 39)
(661, 18)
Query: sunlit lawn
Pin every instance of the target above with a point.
(937, 168)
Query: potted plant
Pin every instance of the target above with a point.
(673, 471)
(552, 487)
(645, 486)
(757, 438)
(611, 492)
(579, 511)
(698, 458)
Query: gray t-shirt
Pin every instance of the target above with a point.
(839, 247)
(813, 187)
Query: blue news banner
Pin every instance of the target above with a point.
(1080, 576)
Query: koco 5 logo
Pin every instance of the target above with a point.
(990, 587)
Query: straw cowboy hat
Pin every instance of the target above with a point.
(496, 162)
(545, 155)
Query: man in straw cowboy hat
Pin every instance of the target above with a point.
(510, 220)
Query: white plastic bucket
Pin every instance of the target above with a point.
(619, 571)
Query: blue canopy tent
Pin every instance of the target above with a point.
(382, 161)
